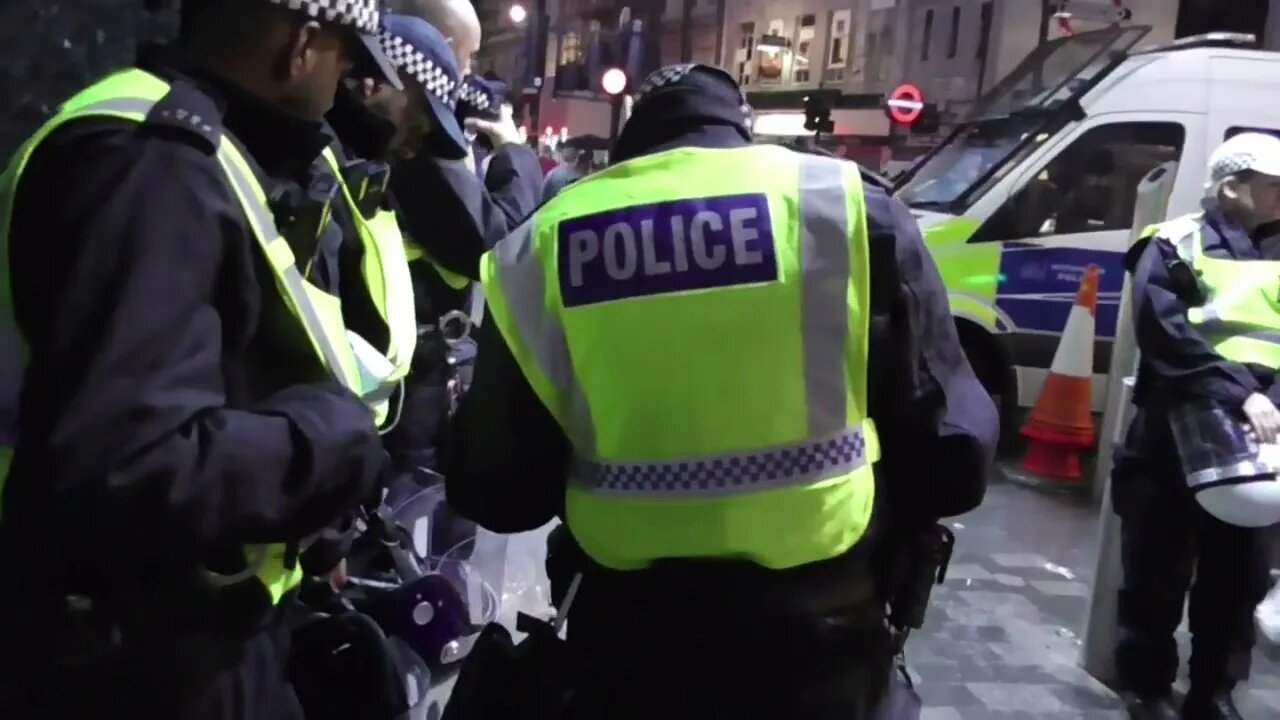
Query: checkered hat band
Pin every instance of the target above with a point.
(362, 15)
(797, 464)
(671, 75)
(473, 96)
(425, 71)
(662, 77)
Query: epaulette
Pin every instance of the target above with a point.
(190, 112)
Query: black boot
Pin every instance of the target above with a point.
(1150, 708)
(1210, 706)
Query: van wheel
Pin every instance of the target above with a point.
(996, 375)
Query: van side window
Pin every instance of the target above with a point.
(1234, 131)
(1090, 186)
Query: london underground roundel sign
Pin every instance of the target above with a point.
(906, 104)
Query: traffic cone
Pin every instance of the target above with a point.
(1061, 424)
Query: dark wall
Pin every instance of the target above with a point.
(1196, 17)
(49, 49)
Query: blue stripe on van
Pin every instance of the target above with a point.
(1038, 286)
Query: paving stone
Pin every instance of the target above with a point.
(1060, 587)
(1017, 696)
(996, 649)
(940, 713)
(957, 572)
(1019, 560)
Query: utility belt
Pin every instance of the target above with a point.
(831, 588)
(671, 636)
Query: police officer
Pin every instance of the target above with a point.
(1205, 320)
(467, 214)
(377, 124)
(728, 368)
(483, 98)
(192, 408)
(380, 127)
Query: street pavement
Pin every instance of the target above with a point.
(1003, 635)
(1002, 639)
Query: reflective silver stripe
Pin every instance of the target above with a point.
(1189, 247)
(824, 274)
(477, 303)
(1243, 469)
(1222, 330)
(263, 224)
(129, 105)
(524, 287)
(728, 474)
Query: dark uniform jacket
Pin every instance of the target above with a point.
(173, 409)
(455, 215)
(1177, 365)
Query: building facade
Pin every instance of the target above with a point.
(674, 31)
(861, 50)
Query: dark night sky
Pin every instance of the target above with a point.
(49, 49)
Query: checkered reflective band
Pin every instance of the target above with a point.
(662, 77)
(475, 97)
(425, 71)
(362, 15)
(800, 464)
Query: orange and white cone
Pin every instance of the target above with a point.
(1061, 424)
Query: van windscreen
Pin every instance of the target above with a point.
(1058, 71)
(978, 153)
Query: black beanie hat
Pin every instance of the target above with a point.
(678, 96)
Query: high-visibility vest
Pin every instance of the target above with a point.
(474, 299)
(130, 95)
(413, 251)
(385, 270)
(1241, 316)
(697, 323)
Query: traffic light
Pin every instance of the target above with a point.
(930, 120)
(817, 112)
(614, 81)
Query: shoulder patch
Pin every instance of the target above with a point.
(192, 114)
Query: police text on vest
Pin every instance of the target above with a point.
(667, 247)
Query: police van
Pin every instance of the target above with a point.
(1039, 182)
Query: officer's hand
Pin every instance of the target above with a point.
(1263, 416)
(338, 575)
(502, 131)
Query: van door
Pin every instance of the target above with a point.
(1072, 208)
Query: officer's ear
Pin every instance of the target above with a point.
(1230, 189)
(304, 48)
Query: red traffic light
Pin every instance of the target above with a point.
(613, 81)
